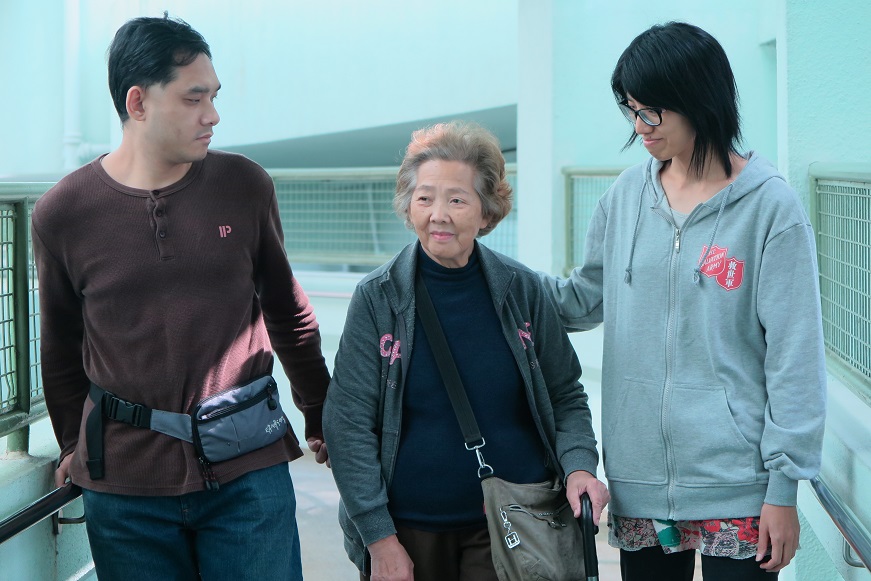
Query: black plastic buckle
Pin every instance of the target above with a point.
(95, 468)
(124, 411)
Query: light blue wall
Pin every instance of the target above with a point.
(826, 56)
(289, 68)
(31, 72)
(589, 38)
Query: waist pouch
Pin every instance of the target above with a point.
(224, 426)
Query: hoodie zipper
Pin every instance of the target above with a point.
(669, 369)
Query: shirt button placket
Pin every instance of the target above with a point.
(160, 221)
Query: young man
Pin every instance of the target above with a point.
(163, 280)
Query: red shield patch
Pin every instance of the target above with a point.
(732, 275)
(715, 261)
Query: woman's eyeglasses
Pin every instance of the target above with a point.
(649, 115)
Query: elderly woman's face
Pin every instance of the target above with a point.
(446, 211)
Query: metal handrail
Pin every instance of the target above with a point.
(38, 511)
(854, 536)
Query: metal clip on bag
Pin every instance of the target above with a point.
(224, 426)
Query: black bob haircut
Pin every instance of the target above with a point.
(147, 51)
(682, 68)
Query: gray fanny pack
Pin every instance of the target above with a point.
(222, 427)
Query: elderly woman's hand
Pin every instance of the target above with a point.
(581, 481)
(390, 561)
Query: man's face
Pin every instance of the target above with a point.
(180, 116)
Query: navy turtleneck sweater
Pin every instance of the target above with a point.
(435, 484)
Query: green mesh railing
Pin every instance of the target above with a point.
(346, 217)
(841, 209)
(584, 187)
(21, 398)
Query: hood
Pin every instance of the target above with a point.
(752, 177)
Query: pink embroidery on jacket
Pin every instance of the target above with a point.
(525, 335)
(388, 350)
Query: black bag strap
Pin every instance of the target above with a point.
(113, 407)
(109, 405)
(94, 435)
(450, 375)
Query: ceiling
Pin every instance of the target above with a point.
(374, 146)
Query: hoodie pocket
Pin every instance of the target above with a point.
(708, 447)
(633, 445)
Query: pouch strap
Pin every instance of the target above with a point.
(113, 407)
(94, 435)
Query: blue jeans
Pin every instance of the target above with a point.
(245, 530)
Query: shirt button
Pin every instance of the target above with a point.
(159, 213)
(162, 234)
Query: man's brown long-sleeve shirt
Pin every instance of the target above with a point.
(164, 298)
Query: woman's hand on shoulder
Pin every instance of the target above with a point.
(581, 481)
(390, 561)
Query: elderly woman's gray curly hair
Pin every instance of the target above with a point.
(468, 143)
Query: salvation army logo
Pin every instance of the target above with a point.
(728, 272)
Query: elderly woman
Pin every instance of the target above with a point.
(411, 499)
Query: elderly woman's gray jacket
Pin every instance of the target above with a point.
(362, 414)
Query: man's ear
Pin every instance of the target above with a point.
(135, 106)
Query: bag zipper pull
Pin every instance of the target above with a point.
(269, 399)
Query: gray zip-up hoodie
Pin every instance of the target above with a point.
(713, 379)
(363, 411)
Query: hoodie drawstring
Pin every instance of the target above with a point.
(698, 268)
(628, 278)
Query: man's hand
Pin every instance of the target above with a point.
(581, 481)
(779, 528)
(390, 561)
(62, 474)
(319, 447)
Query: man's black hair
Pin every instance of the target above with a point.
(147, 51)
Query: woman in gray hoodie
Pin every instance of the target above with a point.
(701, 262)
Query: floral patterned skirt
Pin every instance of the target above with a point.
(731, 537)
